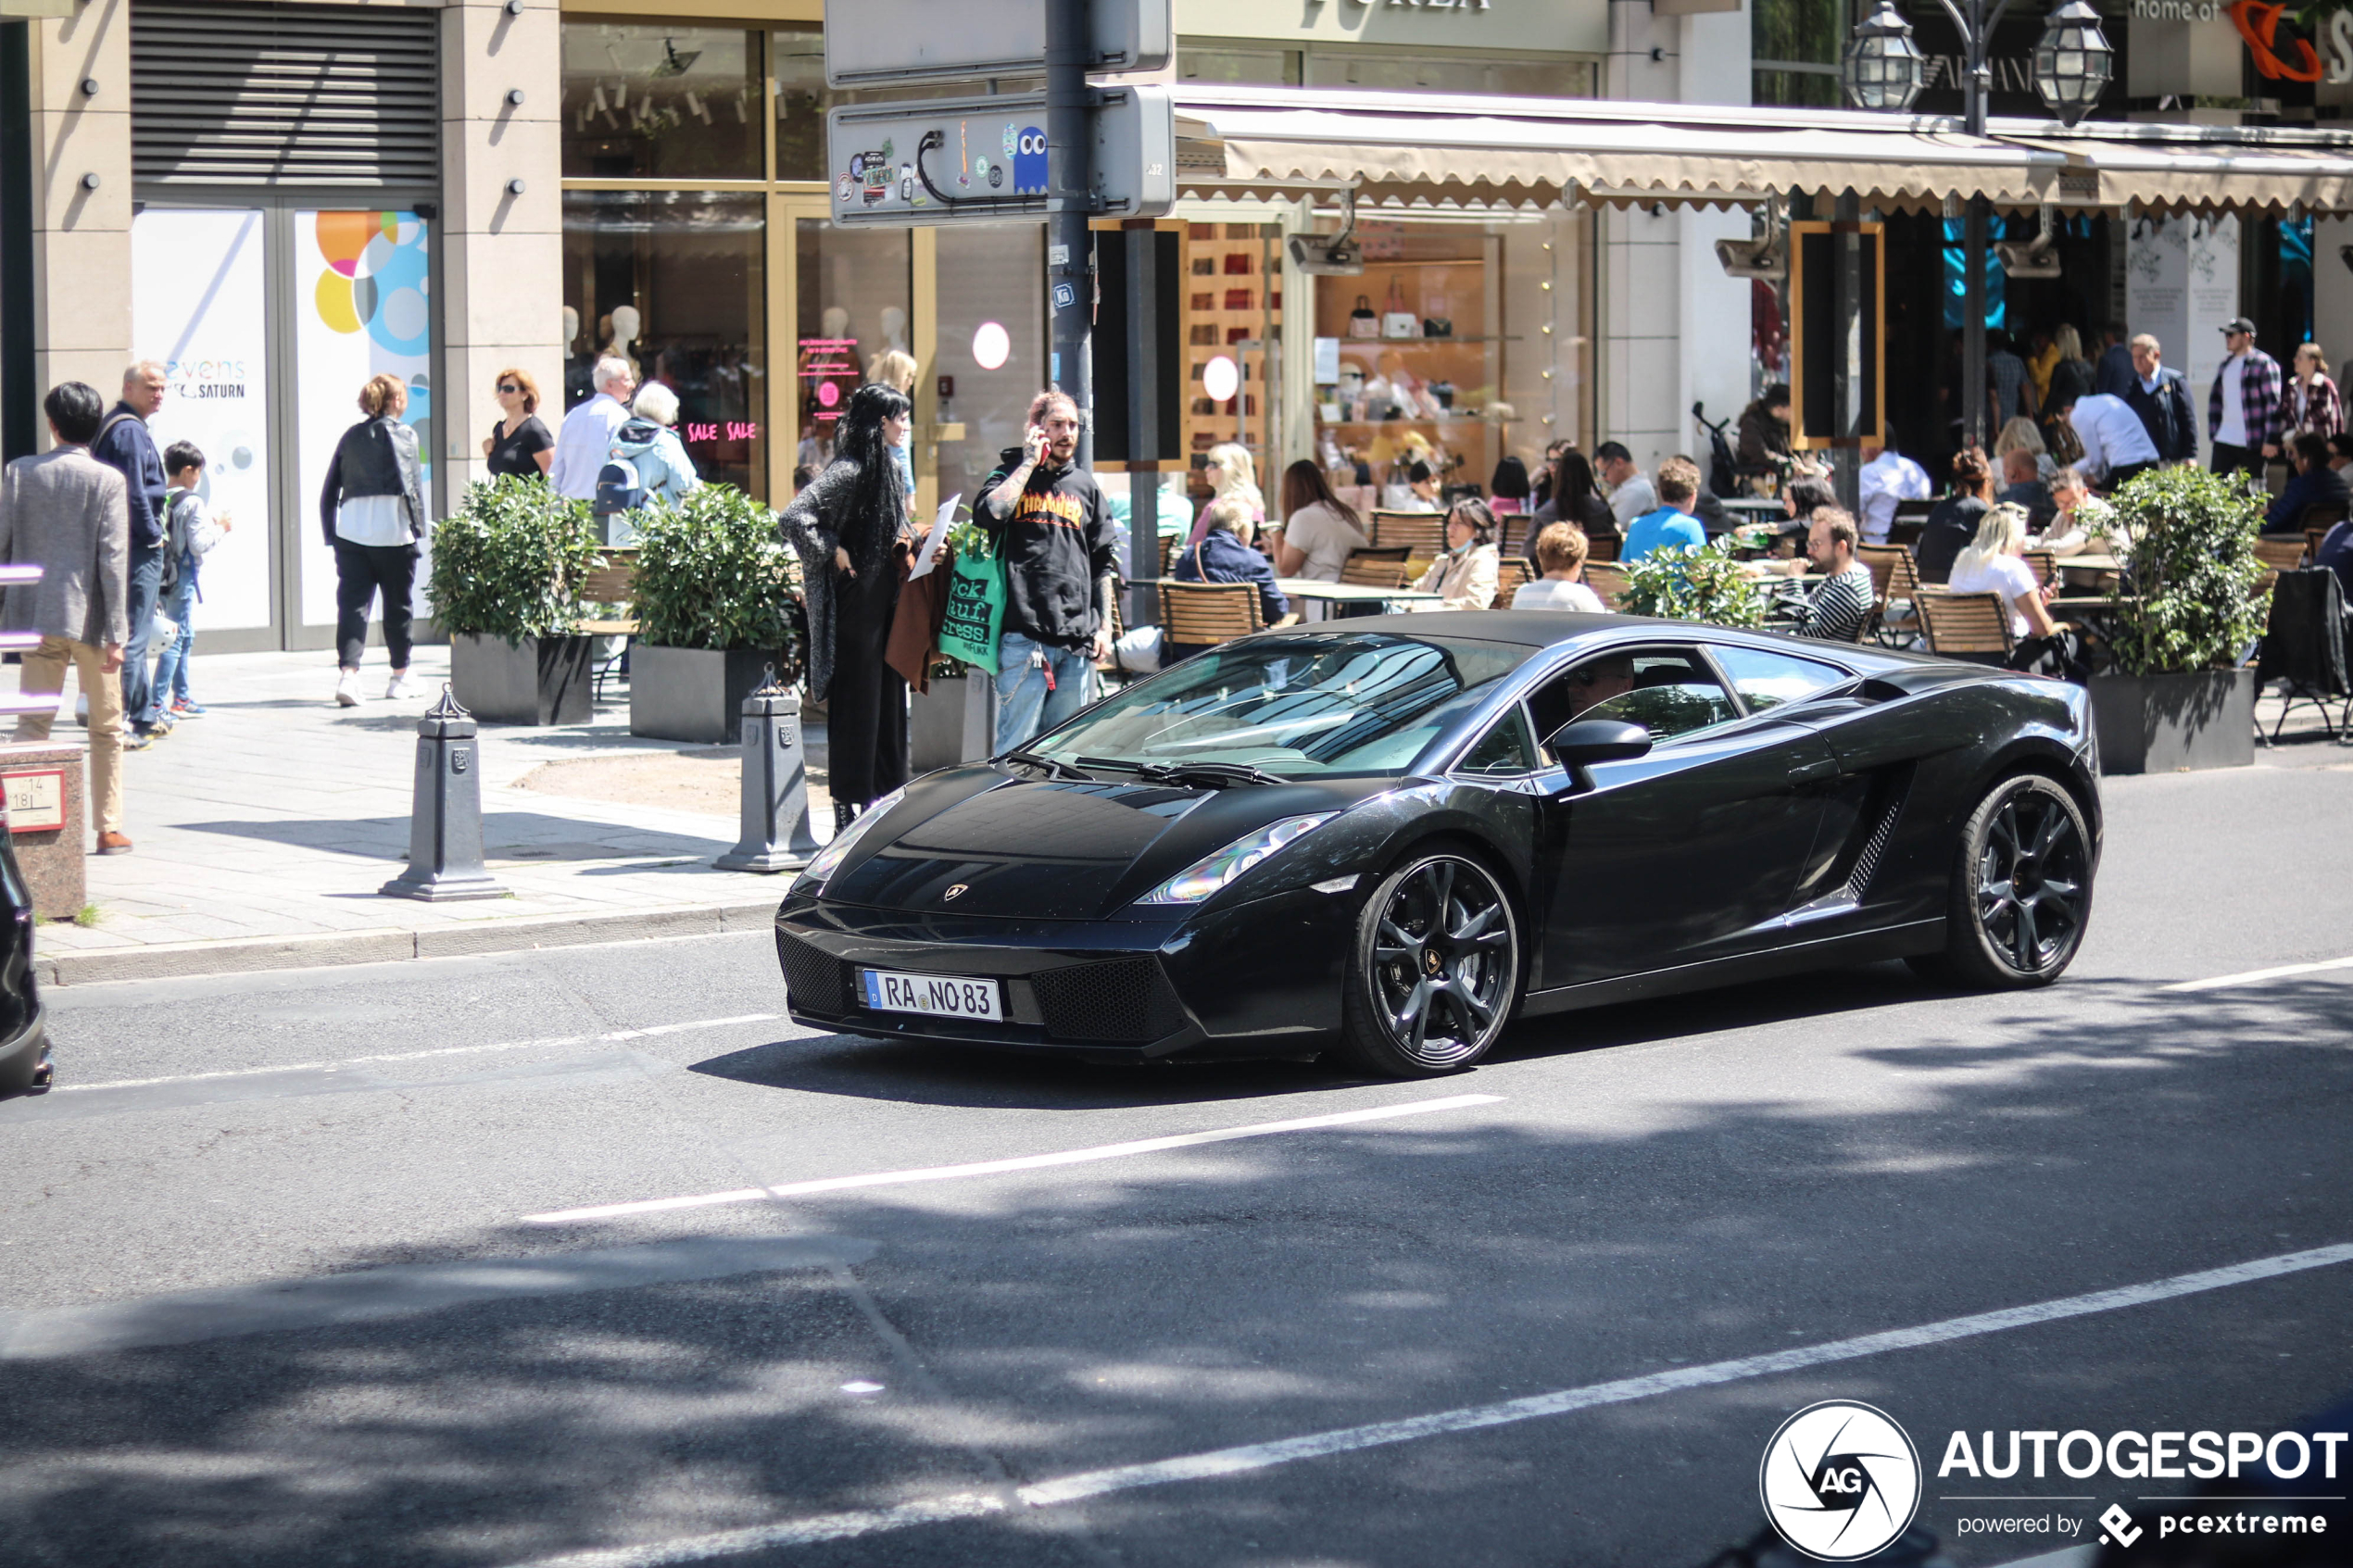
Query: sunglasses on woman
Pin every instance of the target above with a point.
(507, 386)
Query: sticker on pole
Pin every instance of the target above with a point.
(1840, 1480)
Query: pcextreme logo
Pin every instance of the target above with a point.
(1840, 1480)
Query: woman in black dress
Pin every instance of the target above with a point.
(843, 527)
(519, 443)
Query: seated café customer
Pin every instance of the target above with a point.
(2023, 486)
(2337, 554)
(1560, 555)
(1421, 490)
(1670, 526)
(1954, 522)
(2315, 484)
(1841, 608)
(1225, 555)
(1464, 577)
(1992, 564)
(2082, 519)
(2341, 450)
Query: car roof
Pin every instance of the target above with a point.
(1537, 629)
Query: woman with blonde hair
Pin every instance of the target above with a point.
(1230, 473)
(372, 510)
(1994, 563)
(2019, 436)
(2310, 399)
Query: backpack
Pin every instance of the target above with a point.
(619, 488)
(176, 558)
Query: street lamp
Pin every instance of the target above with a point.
(2073, 65)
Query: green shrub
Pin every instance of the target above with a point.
(508, 562)
(2191, 572)
(1682, 583)
(713, 572)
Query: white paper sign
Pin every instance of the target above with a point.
(1327, 360)
(928, 556)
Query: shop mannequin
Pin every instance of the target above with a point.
(625, 325)
(893, 328)
(836, 323)
(571, 329)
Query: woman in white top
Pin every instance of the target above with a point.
(1992, 564)
(1320, 531)
(1464, 577)
(1230, 473)
(1560, 555)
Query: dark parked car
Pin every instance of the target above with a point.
(1386, 837)
(24, 1043)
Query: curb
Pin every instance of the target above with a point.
(519, 934)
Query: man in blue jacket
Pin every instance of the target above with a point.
(124, 445)
(1225, 555)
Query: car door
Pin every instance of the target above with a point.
(1690, 853)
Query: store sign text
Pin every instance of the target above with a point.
(735, 430)
(1430, 4)
(2277, 57)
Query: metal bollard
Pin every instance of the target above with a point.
(445, 822)
(775, 784)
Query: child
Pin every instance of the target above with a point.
(190, 530)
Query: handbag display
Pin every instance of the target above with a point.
(1205, 333)
(1238, 265)
(1437, 326)
(1237, 299)
(1362, 323)
(1203, 301)
(1395, 320)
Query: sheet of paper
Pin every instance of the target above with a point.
(928, 556)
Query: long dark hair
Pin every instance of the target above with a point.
(1572, 482)
(877, 501)
(1305, 485)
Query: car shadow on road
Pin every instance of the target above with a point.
(1030, 1327)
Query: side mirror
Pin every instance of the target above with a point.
(1587, 741)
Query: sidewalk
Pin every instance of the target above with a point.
(265, 828)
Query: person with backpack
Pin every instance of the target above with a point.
(645, 464)
(190, 530)
(373, 508)
(124, 445)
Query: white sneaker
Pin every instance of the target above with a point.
(347, 689)
(399, 687)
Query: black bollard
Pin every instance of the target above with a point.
(776, 794)
(445, 822)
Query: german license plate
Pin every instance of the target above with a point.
(942, 996)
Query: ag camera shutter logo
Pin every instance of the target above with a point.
(1840, 1480)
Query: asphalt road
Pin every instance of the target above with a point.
(271, 1291)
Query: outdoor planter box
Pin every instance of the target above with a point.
(2166, 724)
(538, 681)
(694, 694)
(955, 722)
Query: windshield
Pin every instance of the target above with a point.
(1295, 707)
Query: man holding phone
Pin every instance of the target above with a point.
(1062, 567)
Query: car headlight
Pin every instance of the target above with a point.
(830, 857)
(1208, 875)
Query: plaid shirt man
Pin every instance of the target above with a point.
(2258, 399)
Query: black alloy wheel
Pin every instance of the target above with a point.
(1436, 969)
(2021, 888)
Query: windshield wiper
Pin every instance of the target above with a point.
(1054, 769)
(1215, 773)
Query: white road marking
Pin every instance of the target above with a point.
(646, 1033)
(1023, 1163)
(2257, 976)
(1252, 1457)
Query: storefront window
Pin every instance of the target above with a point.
(853, 309)
(1794, 47)
(660, 102)
(674, 282)
(987, 277)
(802, 101)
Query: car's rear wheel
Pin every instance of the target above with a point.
(2022, 892)
(1435, 970)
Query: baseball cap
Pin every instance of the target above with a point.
(2239, 324)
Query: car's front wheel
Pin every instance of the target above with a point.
(1435, 970)
(2021, 891)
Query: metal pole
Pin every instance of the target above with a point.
(1973, 244)
(1070, 283)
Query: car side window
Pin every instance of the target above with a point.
(1507, 750)
(1775, 680)
(1670, 692)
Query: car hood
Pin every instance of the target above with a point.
(1021, 848)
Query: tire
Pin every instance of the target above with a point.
(1435, 970)
(2022, 893)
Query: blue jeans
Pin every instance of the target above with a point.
(1024, 708)
(170, 683)
(146, 581)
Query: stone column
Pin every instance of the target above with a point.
(81, 236)
(502, 251)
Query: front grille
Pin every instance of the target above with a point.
(812, 978)
(1127, 1000)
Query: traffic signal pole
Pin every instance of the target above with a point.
(1070, 280)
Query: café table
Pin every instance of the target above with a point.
(1351, 598)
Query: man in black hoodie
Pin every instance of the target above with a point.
(1062, 566)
